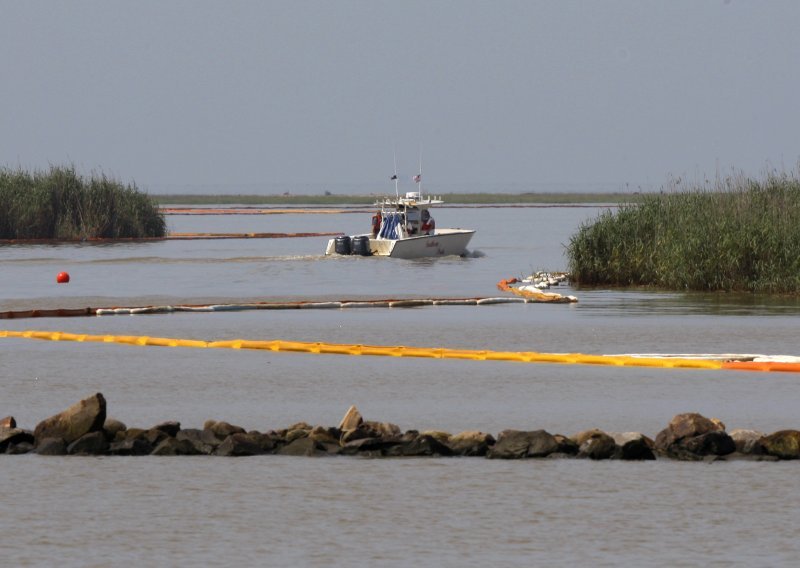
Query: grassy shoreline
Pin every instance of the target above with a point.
(737, 235)
(449, 198)
(60, 204)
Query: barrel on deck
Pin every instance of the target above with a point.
(342, 245)
(361, 245)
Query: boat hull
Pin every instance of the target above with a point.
(445, 242)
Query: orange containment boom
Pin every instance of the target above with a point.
(280, 345)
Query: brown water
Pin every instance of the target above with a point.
(276, 511)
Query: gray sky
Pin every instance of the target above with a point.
(182, 93)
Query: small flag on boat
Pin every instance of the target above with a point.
(417, 178)
(393, 177)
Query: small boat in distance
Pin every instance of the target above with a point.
(404, 228)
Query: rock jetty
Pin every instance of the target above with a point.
(85, 429)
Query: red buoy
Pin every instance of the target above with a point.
(62, 278)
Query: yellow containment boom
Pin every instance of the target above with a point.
(281, 345)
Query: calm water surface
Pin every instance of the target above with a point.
(273, 510)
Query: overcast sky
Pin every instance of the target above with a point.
(230, 92)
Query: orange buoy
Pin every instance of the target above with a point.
(62, 277)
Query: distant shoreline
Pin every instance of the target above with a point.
(449, 198)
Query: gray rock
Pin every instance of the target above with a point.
(130, 447)
(716, 443)
(471, 443)
(384, 429)
(112, 426)
(85, 416)
(363, 431)
(51, 447)
(13, 436)
(173, 447)
(296, 434)
(420, 446)
(633, 446)
(597, 446)
(21, 448)
(204, 440)
(747, 441)
(91, 444)
(239, 445)
(784, 444)
(518, 444)
(325, 435)
(222, 429)
(684, 426)
(369, 446)
(170, 428)
(302, 447)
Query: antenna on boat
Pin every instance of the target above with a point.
(418, 177)
(394, 177)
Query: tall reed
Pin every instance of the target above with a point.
(736, 234)
(61, 204)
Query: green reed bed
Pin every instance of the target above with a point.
(738, 234)
(63, 205)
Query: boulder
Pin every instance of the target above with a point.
(438, 435)
(154, 436)
(747, 442)
(174, 447)
(470, 443)
(14, 436)
(717, 443)
(384, 428)
(518, 444)
(566, 446)
(302, 447)
(325, 435)
(369, 446)
(684, 426)
(170, 428)
(204, 440)
(111, 426)
(239, 445)
(21, 448)
(784, 444)
(633, 446)
(85, 416)
(296, 434)
(51, 447)
(222, 429)
(597, 446)
(8, 422)
(351, 420)
(363, 431)
(130, 447)
(128, 434)
(421, 445)
(91, 444)
(581, 437)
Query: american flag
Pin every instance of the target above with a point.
(417, 178)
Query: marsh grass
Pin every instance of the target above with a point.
(61, 204)
(736, 234)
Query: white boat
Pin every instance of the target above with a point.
(404, 228)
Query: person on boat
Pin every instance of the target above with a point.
(428, 224)
(376, 224)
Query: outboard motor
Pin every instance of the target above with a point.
(361, 245)
(342, 245)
